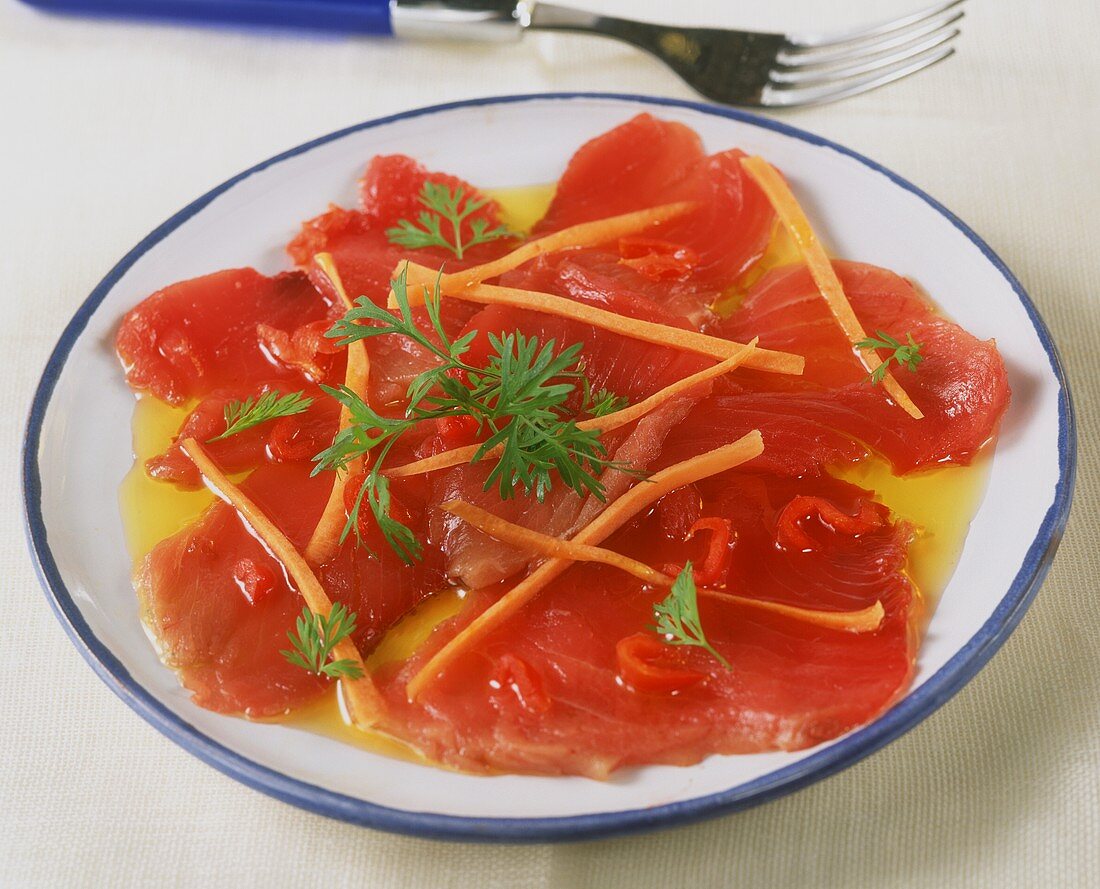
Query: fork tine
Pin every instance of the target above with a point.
(891, 40)
(867, 64)
(859, 35)
(780, 95)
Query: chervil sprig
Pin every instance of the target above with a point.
(242, 415)
(907, 354)
(315, 639)
(602, 402)
(518, 400)
(677, 615)
(366, 431)
(367, 320)
(400, 536)
(369, 432)
(450, 207)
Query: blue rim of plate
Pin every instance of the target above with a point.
(919, 704)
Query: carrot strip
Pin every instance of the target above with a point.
(459, 456)
(325, 540)
(365, 704)
(607, 522)
(821, 269)
(587, 234)
(865, 620)
(646, 331)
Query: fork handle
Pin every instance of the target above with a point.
(348, 16)
(461, 19)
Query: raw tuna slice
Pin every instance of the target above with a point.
(220, 606)
(641, 163)
(475, 560)
(731, 228)
(961, 386)
(602, 279)
(646, 162)
(796, 441)
(357, 239)
(626, 367)
(395, 360)
(548, 692)
(200, 335)
(379, 587)
(285, 440)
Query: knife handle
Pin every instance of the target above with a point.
(347, 16)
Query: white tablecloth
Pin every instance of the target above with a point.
(108, 128)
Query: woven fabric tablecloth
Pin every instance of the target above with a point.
(111, 127)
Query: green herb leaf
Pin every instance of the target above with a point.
(677, 616)
(376, 490)
(242, 415)
(368, 431)
(520, 397)
(445, 206)
(603, 402)
(907, 354)
(315, 639)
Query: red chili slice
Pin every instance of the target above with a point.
(647, 664)
(791, 533)
(254, 580)
(656, 259)
(516, 675)
(712, 569)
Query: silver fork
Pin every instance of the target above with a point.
(728, 66)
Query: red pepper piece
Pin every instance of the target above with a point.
(791, 532)
(647, 664)
(254, 580)
(516, 675)
(711, 571)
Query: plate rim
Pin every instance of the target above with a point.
(906, 714)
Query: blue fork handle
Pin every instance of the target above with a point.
(348, 16)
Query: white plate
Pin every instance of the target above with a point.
(79, 433)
